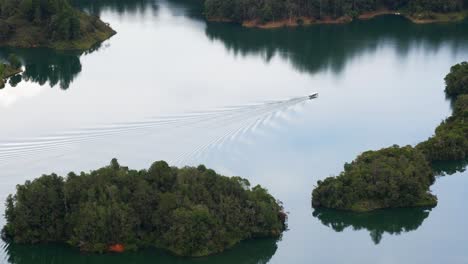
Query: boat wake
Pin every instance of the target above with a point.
(216, 127)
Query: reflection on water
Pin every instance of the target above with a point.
(248, 252)
(96, 7)
(444, 168)
(391, 221)
(46, 66)
(14, 80)
(192, 9)
(329, 47)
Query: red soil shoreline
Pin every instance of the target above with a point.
(298, 21)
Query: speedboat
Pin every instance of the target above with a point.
(313, 96)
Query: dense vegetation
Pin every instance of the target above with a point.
(390, 177)
(457, 80)
(401, 177)
(377, 222)
(188, 211)
(275, 10)
(52, 23)
(450, 142)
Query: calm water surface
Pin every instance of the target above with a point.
(171, 86)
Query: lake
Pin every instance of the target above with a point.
(170, 86)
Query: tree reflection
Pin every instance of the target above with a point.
(317, 48)
(46, 66)
(391, 221)
(121, 7)
(247, 252)
(449, 167)
(14, 80)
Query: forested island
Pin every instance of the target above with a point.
(188, 211)
(53, 24)
(277, 13)
(401, 177)
(387, 178)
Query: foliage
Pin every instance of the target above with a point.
(49, 23)
(58, 16)
(390, 177)
(450, 142)
(189, 211)
(273, 10)
(457, 80)
(401, 177)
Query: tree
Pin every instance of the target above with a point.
(188, 211)
(457, 80)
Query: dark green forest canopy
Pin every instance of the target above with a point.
(273, 10)
(401, 177)
(388, 178)
(188, 211)
(450, 141)
(457, 80)
(51, 23)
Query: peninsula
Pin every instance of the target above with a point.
(52, 24)
(279, 13)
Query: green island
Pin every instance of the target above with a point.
(52, 24)
(387, 178)
(10, 69)
(450, 141)
(279, 13)
(401, 176)
(188, 211)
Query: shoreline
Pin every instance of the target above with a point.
(28, 35)
(307, 21)
(8, 73)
